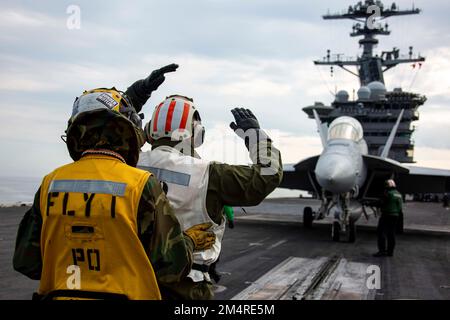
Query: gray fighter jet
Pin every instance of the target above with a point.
(349, 182)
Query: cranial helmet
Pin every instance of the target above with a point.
(176, 118)
(105, 119)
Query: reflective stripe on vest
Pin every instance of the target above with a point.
(169, 176)
(88, 186)
(89, 236)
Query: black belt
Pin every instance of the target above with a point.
(200, 267)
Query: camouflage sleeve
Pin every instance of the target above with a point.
(244, 185)
(27, 254)
(168, 248)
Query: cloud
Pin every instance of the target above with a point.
(432, 158)
(432, 79)
(37, 34)
(256, 54)
(433, 128)
(34, 75)
(15, 19)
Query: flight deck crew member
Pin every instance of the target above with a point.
(99, 227)
(391, 209)
(199, 189)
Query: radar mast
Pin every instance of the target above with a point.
(368, 17)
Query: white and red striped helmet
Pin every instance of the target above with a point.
(174, 118)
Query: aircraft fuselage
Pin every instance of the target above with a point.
(340, 168)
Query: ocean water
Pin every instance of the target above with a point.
(18, 190)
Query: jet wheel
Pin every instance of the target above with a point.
(308, 217)
(352, 232)
(336, 231)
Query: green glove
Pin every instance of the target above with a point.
(229, 212)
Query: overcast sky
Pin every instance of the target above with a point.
(253, 53)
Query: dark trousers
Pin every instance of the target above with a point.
(186, 289)
(386, 231)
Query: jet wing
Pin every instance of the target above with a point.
(409, 180)
(424, 180)
(307, 164)
(301, 176)
(378, 171)
(375, 163)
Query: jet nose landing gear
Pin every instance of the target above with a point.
(342, 232)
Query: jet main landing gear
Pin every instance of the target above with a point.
(308, 217)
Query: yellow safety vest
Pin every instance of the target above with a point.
(89, 238)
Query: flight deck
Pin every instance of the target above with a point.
(268, 258)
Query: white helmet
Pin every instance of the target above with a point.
(175, 118)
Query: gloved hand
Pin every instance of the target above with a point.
(201, 238)
(245, 120)
(154, 80)
(140, 91)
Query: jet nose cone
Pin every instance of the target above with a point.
(335, 173)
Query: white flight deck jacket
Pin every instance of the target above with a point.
(187, 179)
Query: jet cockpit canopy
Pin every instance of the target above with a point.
(346, 128)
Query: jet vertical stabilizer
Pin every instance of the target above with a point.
(387, 147)
(322, 128)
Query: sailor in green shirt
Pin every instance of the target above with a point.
(391, 210)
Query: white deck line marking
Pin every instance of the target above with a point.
(254, 244)
(294, 276)
(277, 244)
(275, 282)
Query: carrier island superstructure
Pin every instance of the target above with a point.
(376, 108)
